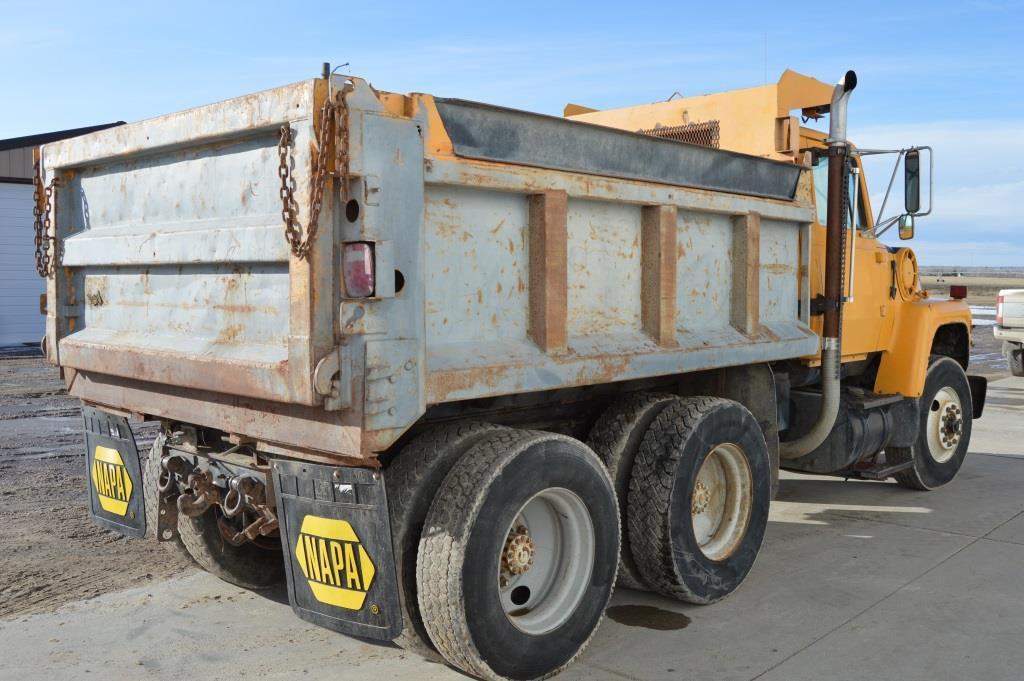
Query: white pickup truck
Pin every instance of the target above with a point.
(1009, 327)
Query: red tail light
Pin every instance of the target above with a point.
(957, 292)
(357, 268)
(999, 310)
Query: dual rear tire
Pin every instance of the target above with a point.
(516, 537)
(698, 499)
(517, 533)
(205, 537)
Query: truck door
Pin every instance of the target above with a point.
(868, 316)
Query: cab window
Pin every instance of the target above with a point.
(820, 178)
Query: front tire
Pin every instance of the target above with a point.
(698, 499)
(518, 555)
(944, 431)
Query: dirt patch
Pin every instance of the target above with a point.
(51, 553)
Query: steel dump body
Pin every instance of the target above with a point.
(534, 254)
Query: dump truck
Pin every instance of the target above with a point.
(452, 371)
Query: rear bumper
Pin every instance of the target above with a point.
(1010, 334)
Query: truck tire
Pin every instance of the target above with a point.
(150, 494)
(413, 479)
(253, 565)
(150, 476)
(615, 438)
(1015, 358)
(944, 432)
(518, 555)
(698, 499)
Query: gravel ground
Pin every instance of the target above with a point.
(51, 553)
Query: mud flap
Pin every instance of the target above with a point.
(113, 473)
(979, 390)
(336, 537)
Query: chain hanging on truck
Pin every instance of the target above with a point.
(46, 243)
(334, 115)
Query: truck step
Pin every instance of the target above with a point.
(865, 400)
(880, 471)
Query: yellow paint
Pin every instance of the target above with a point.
(753, 120)
(333, 561)
(111, 481)
(903, 328)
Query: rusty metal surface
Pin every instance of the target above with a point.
(180, 298)
(294, 427)
(493, 133)
(704, 133)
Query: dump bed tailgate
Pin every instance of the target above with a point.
(174, 266)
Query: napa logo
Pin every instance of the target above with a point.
(111, 481)
(334, 562)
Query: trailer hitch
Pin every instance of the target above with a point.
(200, 495)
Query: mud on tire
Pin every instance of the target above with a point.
(465, 547)
(413, 479)
(666, 500)
(616, 438)
(250, 566)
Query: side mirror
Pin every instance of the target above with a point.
(911, 185)
(906, 227)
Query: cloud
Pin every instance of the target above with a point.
(979, 183)
(967, 253)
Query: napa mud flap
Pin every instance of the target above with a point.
(113, 473)
(337, 542)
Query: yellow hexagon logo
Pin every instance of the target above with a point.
(334, 562)
(111, 481)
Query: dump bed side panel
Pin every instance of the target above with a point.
(538, 278)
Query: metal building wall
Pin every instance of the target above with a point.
(20, 286)
(16, 164)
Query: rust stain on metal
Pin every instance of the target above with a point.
(441, 384)
(778, 268)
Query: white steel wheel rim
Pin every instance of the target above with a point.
(542, 579)
(945, 424)
(721, 501)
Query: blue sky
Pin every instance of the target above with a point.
(948, 74)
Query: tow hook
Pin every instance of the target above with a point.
(171, 468)
(265, 523)
(243, 492)
(200, 495)
(248, 495)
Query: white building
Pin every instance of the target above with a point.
(21, 321)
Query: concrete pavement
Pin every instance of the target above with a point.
(857, 580)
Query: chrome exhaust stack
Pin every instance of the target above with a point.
(835, 266)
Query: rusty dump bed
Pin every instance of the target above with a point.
(514, 253)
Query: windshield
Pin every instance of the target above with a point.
(821, 194)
